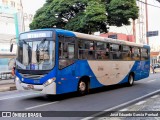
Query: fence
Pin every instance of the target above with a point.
(5, 75)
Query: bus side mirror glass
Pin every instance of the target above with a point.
(11, 47)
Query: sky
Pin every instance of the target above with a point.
(154, 23)
(30, 6)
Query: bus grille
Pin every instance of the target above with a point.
(32, 76)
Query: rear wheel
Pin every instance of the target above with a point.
(130, 80)
(83, 87)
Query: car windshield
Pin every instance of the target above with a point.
(36, 54)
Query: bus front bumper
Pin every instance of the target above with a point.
(49, 89)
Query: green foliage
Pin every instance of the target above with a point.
(85, 16)
(120, 11)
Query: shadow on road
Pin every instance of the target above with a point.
(75, 94)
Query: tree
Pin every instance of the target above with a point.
(120, 11)
(91, 20)
(85, 16)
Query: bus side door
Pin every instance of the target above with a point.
(66, 72)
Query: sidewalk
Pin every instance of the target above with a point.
(147, 109)
(157, 70)
(7, 85)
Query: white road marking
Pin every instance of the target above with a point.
(151, 80)
(121, 105)
(29, 108)
(125, 109)
(155, 96)
(17, 96)
(140, 103)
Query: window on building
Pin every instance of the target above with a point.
(113, 36)
(12, 4)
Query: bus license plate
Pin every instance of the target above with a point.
(30, 86)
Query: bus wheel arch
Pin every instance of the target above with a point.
(131, 77)
(83, 85)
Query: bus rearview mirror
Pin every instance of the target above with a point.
(11, 47)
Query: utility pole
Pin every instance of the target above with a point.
(146, 21)
(134, 30)
(23, 24)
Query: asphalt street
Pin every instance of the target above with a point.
(97, 101)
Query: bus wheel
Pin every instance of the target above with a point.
(130, 80)
(82, 88)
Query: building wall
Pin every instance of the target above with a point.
(8, 24)
(119, 36)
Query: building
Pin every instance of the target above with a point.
(155, 57)
(119, 36)
(11, 23)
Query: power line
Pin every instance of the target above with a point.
(148, 4)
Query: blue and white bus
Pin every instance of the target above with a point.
(56, 61)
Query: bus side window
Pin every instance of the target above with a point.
(86, 49)
(66, 53)
(102, 51)
(136, 53)
(115, 51)
(126, 52)
(71, 49)
(60, 50)
(144, 54)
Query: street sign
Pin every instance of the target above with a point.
(152, 33)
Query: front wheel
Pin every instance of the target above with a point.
(130, 80)
(82, 88)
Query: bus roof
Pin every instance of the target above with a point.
(99, 38)
(90, 37)
(110, 40)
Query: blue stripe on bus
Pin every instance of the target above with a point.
(82, 68)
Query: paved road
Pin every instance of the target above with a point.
(97, 100)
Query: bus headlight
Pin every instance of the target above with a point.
(17, 79)
(49, 81)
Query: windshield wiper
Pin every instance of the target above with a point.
(43, 40)
(24, 42)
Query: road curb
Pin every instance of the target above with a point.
(6, 82)
(116, 108)
(12, 88)
(8, 88)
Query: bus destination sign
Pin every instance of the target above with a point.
(38, 34)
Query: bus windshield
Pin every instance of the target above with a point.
(36, 54)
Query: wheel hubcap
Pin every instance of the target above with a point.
(82, 86)
(131, 79)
